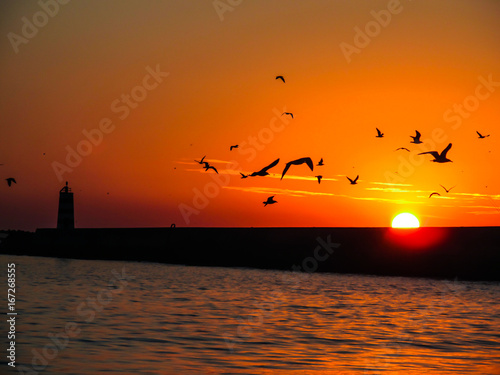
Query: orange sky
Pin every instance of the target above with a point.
(202, 75)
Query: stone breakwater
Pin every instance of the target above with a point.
(465, 253)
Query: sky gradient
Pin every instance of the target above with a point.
(157, 84)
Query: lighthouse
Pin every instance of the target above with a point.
(66, 212)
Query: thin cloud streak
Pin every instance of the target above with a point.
(436, 197)
(486, 207)
(263, 190)
(397, 201)
(207, 160)
(272, 175)
(484, 212)
(395, 190)
(306, 178)
(389, 184)
(303, 193)
(479, 195)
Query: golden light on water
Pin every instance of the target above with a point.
(405, 220)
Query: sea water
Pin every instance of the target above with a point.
(96, 317)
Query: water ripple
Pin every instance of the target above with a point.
(170, 319)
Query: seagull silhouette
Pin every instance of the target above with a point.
(287, 113)
(355, 181)
(208, 166)
(416, 138)
(270, 200)
(439, 157)
(263, 171)
(402, 148)
(243, 175)
(10, 180)
(379, 134)
(447, 190)
(281, 77)
(435, 193)
(320, 163)
(201, 161)
(319, 178)
(306, 160)
(481, 136)
(231, 148)
(211, 167)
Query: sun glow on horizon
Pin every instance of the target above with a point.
(405, 220)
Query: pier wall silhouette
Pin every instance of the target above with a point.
(471, 253)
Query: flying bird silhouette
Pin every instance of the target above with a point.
(208, 166)
(379, 134)
(10, 180)
(355, 181)
(320, 163)
(416, 138)
(447, 190)
(435, 193)
(263, 171)
(402, 148)
(270, 200)
(306, 160)
(231, 148)
(287, 113)
(281, 77)
(319, 178)
(481, 136)
(243, 175)
(201, 161)
(211, 167)
(439, 157)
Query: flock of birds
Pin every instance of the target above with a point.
(264, 171)
(439, 157)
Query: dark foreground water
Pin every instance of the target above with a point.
(82, 317)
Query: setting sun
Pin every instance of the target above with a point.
(405, 220)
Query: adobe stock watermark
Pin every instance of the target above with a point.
(249, 148)
(372, 29)
(408, 164)
(471, 103)
(300, 274)
(455, 116)
(87, 310)
(122, 107)
(223, 6)
(31, 26)
(264, 136)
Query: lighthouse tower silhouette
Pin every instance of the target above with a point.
(66, 212)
